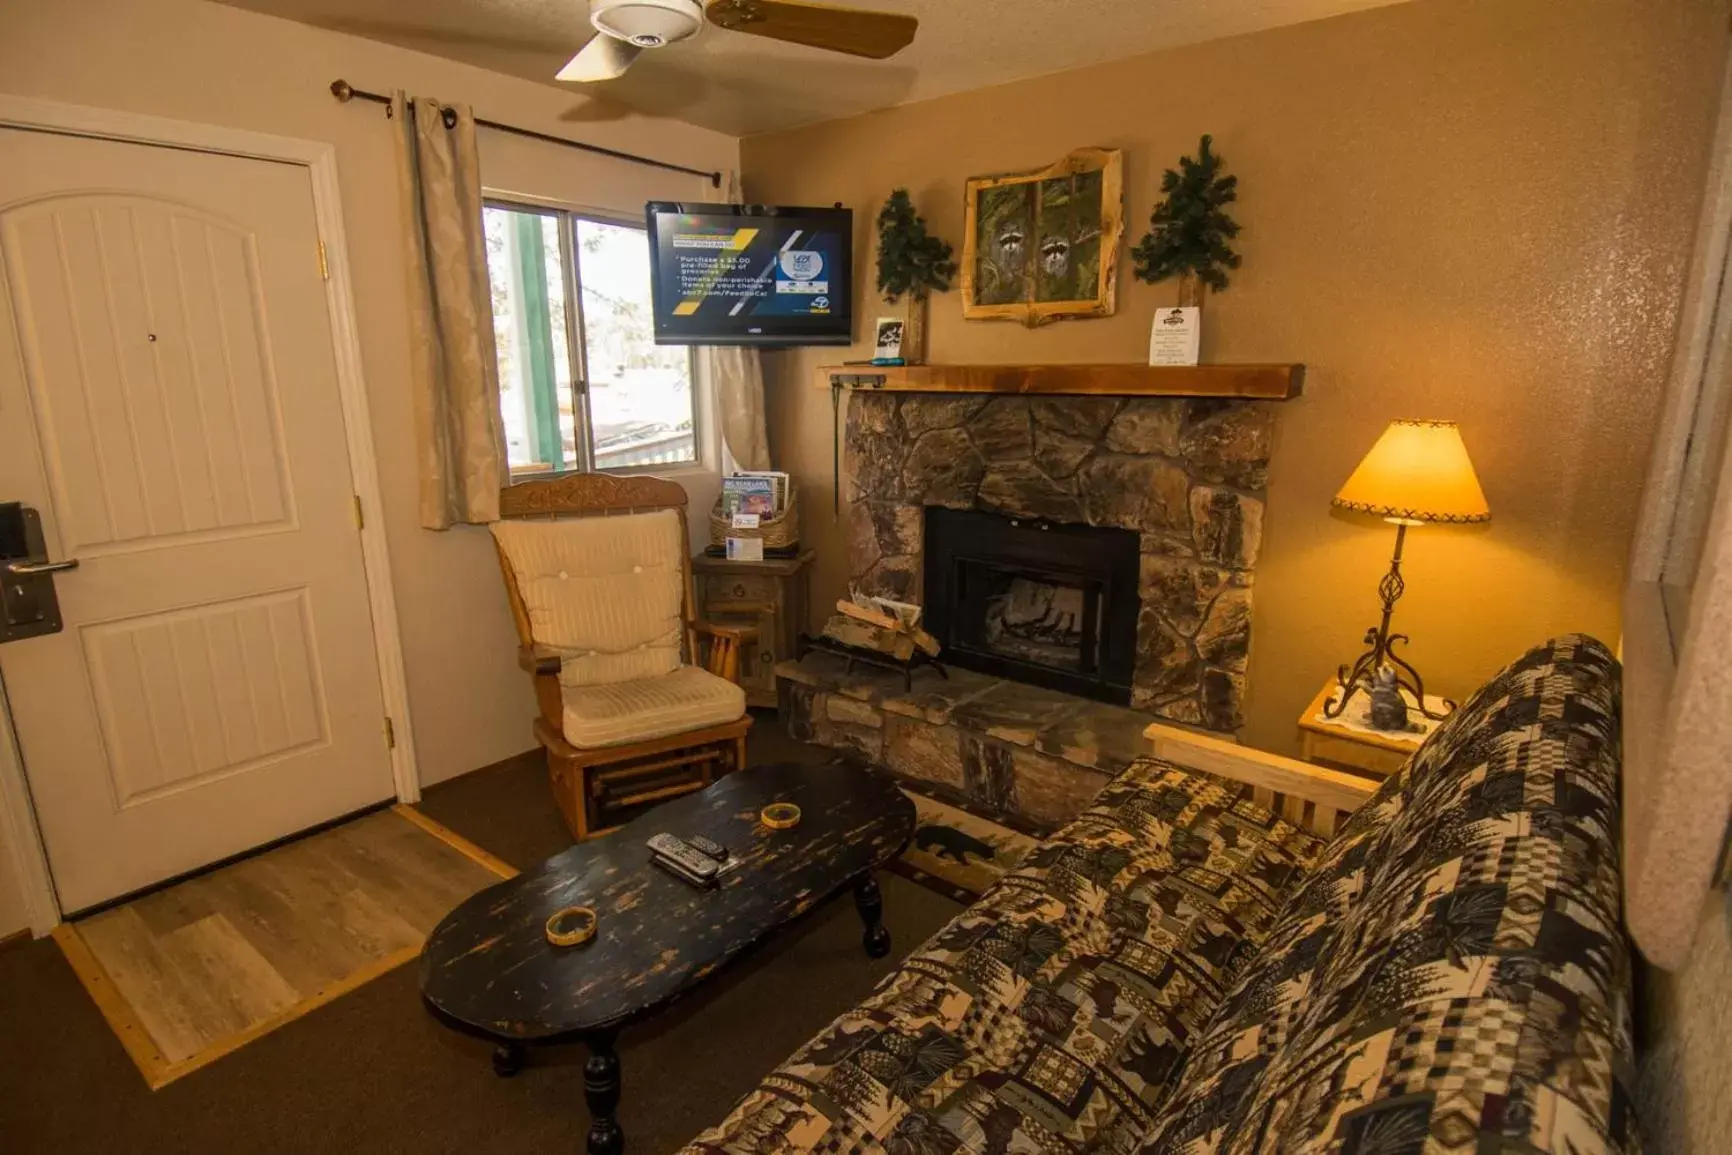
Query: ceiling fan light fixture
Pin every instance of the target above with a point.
(629, 27)
(647, 23)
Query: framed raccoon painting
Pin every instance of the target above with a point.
(1043, 245)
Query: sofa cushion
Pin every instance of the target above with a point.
(1053, 1014)
(604, 591)
(1456, 977)
(618, 712)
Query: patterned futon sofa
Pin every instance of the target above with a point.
(1178, 971)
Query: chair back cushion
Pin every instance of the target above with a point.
(1453, 975)
(604, 591)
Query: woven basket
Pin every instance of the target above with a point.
(781, 532)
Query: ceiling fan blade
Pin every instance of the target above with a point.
(603, 58)
(876, 35)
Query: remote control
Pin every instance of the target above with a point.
(676, 851)
(681, 873)
(708, 846)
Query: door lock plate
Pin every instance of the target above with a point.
(28, 605)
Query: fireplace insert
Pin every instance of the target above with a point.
(1041, 602)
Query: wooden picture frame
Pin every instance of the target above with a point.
(1043, 245)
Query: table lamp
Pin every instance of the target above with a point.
(1418, 472)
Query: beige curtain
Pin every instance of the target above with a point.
(737, 377)
(454, 372)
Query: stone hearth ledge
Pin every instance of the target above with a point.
(1001, 748)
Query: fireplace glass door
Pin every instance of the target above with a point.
(1047, 603)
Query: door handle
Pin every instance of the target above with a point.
(33, 568)
(28, 605)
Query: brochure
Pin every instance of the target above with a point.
(749, 494)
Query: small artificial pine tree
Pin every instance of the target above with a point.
(910, 260)
(1189, 230)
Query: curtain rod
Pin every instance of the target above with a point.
(345, 92)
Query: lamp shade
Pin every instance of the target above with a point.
(1417, 472)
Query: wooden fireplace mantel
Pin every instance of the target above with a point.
(1257, 382)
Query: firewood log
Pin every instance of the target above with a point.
(863, 635)
(855, 610)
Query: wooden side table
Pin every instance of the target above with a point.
(1350, 743)
(770, 595)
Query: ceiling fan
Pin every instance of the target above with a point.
(627, 27)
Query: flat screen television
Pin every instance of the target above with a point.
(751, 274)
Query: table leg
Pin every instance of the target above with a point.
(508, 1059)
(869, 900)
(601, 1091)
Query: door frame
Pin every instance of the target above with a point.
(17, 813)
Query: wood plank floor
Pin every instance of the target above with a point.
(191, 972)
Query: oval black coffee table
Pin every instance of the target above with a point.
(488, 969)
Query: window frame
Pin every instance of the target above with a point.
(566, 216)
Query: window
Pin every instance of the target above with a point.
(582, 383)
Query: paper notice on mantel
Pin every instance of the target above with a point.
(1177, 337)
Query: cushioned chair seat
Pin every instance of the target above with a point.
(620, 712)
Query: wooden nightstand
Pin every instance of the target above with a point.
(770, 595)
(1349, 742)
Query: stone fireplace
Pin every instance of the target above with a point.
(1177, 482)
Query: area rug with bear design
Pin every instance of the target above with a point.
(957, 853)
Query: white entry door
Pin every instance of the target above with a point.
(169, 403)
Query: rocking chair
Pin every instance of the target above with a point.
(639, 701)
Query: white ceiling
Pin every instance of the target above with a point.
(743, 85)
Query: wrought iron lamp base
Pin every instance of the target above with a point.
(1381, 649)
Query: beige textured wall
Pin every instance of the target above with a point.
(203, 62)
(1467, 209)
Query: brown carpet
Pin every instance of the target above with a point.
(373, 1072)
